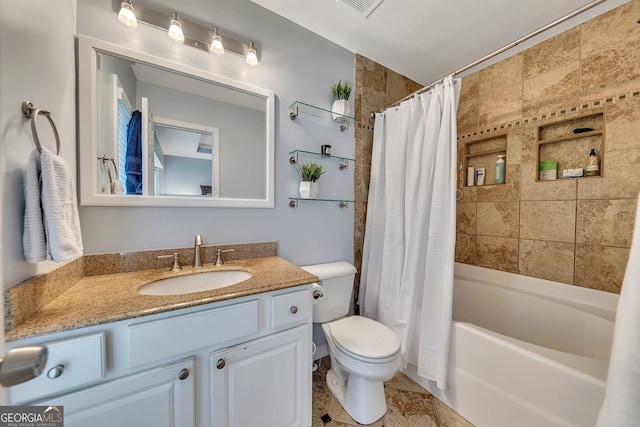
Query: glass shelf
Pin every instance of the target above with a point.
(301, 107)
(343, 203)
(294, 157)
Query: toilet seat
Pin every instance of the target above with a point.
(365, 339)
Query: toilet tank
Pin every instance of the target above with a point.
(337, 281)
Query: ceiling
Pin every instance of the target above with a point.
(183, 142)
(428, 39)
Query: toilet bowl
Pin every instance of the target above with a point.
(364, 353)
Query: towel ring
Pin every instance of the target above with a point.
(109, 161)
(32, 113)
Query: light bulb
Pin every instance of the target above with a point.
(175, 30)
(216, 43)
(252, 57)
(127, 14)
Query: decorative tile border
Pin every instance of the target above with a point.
(598, 103)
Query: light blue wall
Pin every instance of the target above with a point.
(37, 64)
(297, 65)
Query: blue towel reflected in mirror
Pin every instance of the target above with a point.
(133, 164)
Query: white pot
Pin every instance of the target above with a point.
(308, 189)
(340, 107)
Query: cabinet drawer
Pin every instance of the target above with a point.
(290, 309)
(80, 362)
(159, 339)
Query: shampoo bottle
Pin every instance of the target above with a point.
(500, 169)
(593, 164)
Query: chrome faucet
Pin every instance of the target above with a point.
(197, 262)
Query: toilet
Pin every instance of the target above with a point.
(364, 353)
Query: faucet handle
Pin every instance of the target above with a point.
(219, 257)
(176, 265)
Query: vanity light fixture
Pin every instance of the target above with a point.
(127, 14)
(175, 29)
(252, 56)
(186, 32)
(216, 43)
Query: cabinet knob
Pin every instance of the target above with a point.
(221, 364)
(294, 309)
(55, 372)
(184, 374)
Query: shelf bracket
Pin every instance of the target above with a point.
(344, 165)
(294, 158)
(343, 205)
(293, 203)
(344, 124)
(293, 113)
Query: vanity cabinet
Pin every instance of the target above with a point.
(240, 362)
(161, 397)
(278, 399)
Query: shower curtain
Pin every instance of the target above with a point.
(408, 257)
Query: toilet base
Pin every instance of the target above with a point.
(363, 399)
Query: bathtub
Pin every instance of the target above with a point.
(525, 351)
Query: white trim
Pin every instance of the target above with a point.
(87, 103)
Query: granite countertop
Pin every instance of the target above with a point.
(95, 300)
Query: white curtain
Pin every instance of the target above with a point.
(408, 257)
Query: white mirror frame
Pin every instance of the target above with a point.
(88, 131)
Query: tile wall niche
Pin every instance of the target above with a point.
(571, 231)
(375, 87)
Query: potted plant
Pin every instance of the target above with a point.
(341, 92)
(310, 173)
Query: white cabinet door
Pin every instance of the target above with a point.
(154, 398)
(266, 382)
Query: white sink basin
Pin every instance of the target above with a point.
(194, 283)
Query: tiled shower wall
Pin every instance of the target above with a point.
(375, 88)
(571, 231)
(575, 231)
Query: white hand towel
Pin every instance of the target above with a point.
(621, 407)
(60, 208)
(34, 241)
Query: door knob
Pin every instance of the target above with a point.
(55, 372)
(184, 374)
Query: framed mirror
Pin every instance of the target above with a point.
(158, 133)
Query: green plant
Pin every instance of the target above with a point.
(341, 89)
(311, 171)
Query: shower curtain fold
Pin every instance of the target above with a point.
(408, 256)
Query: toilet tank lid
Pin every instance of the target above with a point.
(330, 270)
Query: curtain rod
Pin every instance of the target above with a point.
(502, 49)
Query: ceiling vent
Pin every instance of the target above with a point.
(364, 7)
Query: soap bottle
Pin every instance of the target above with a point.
(593, 164)
(500, 169)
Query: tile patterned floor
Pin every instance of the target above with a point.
(408, 405)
